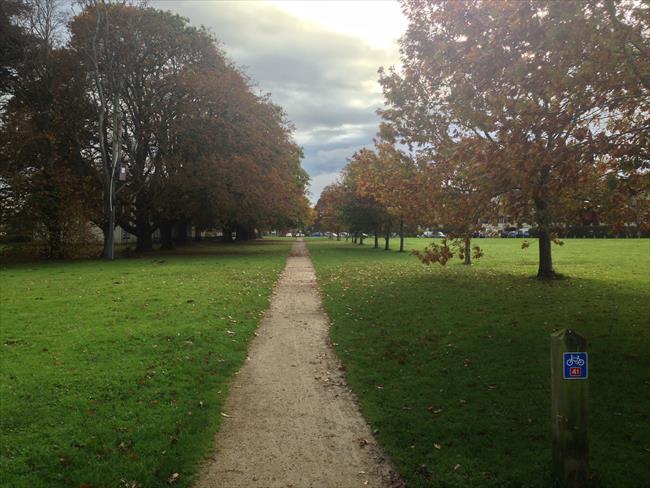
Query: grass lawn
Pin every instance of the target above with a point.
(451, 365)
(114, 374)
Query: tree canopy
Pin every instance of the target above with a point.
(138, 120)
(537, 110)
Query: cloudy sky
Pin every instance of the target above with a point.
(318, 59)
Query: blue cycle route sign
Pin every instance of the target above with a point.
(575, 365)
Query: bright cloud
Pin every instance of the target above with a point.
(319, 61)
(380, 23)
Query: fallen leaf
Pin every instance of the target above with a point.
(457, 467)
(437, 446)
(173, 478)
(226, 415)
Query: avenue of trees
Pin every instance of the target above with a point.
(538, 110)
(128, 116)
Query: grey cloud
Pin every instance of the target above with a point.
(322, 79)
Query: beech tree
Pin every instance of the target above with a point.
(134, 55)
(520, 79)
(46, 190)
(457, 196)
(625, 82)
(363, 210)
(328, 209)
(390, 176)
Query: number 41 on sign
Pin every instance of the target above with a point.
(575, 365)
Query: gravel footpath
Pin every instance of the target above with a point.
(290, 420)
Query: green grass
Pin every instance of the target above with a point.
(114, 374)
(451, 365)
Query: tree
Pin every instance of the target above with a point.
(140, 93)
(625, 82)
(390, 176)
(13, 41)
(457, 196)
(520, 80)
(361, 210)
(328, 209)
(46, 191)
(134, 56)
(105, 57)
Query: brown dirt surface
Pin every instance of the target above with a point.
(289, 419)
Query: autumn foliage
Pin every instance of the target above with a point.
(534, 110)
(138, 93)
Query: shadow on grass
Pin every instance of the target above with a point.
(11, 257)
(452, 367)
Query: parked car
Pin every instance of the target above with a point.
(525, 233)
(433, 233)
(288, 234)
(316, 234)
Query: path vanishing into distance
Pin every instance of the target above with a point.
(289, 419)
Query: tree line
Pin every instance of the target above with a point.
(538, 110)
(124, 115)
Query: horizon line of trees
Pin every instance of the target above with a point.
(539, 110)
(125, 115)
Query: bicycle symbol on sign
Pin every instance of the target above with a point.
(575, 360)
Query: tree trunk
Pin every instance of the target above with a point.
(545, 270)
(387, 239)
(468, 250)
(401, 235)
(197, 234)
(143, 231)
(109, 237)
(180, 232)
(108, 253)
(144, 242)
(166, 234)
(338, 234)
(227, 234)
(55, 245)
(361, 239)
(376, 239)
(243, 233)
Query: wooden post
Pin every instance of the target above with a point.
(569, 410)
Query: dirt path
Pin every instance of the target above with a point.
(291, 420)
